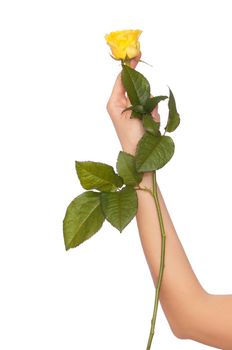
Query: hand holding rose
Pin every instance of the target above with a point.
(129, 130)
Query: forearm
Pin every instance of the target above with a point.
(181, 294)
(191, 312)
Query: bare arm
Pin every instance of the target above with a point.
(192, 313)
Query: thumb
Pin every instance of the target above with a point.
(135, 61)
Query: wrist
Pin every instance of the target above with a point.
(147, 180)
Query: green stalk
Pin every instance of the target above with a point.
(161, 270)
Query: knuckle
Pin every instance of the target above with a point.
(109, 106)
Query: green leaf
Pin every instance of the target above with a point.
(173, 116)
(153, 152)
(136, 115)
(127, 170)
(150, 125)
(120, 207)
(100, 176)
(136, 108)
(152, 102)
(83, 218)
(136, 85)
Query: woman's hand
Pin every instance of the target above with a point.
(129, 130)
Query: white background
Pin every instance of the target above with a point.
(55, 78)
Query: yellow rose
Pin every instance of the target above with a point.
(124, 44)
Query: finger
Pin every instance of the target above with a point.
(135, 61)
(118, 91)
(155, 114)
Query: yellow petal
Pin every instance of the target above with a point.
(124, 43)
(132, 52)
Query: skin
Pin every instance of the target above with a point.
(192, 313)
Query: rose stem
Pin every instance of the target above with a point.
(161, 270)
